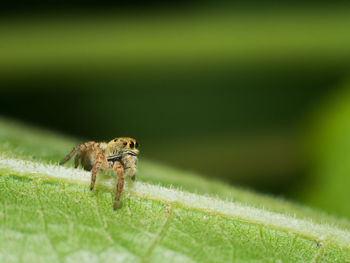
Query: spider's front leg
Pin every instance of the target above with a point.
(120, 171)
(132, 172)
(130, 163)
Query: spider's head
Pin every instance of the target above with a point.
(122, 145)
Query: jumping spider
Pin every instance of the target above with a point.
(119, 154)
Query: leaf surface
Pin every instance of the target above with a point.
(47, 214)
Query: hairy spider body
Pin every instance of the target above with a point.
(120, 155)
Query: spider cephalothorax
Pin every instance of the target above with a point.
(120, 154)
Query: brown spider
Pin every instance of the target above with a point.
(119, 154)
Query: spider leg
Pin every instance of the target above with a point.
(78, 148)
(132, 172)
(120, 171)
(77, 159)
(131, 164)
(97, 166)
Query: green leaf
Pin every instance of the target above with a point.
(47, 214)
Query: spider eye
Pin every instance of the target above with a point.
(131, 145)
(125, 143)
(115, 140)
(136, 145)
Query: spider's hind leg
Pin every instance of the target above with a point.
(79, 148)
(77, 159)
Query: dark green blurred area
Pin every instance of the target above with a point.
(229, 91)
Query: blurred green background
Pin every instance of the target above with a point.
(252, 93)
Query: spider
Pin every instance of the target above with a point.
(119, 154)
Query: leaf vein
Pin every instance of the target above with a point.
(160, 234)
